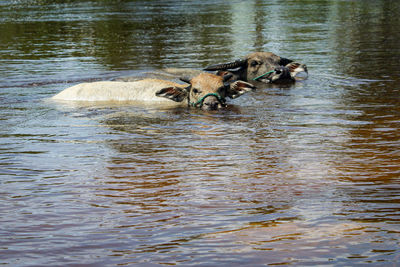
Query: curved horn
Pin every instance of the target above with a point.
(227, 77)
(185, 79)
(225, 66)
(284, 61)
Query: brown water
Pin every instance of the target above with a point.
(307, 174)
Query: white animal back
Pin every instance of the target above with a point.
(143, 91)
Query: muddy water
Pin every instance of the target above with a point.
(307, 174)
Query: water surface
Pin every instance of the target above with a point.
(307, 174)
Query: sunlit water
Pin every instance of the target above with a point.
(307, 174)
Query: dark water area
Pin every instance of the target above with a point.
(306, 174)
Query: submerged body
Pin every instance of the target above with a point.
(206, 91)
(143, 90)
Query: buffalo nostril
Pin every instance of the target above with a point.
(278, 71)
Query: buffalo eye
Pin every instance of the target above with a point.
(254, 63)
(195, 91)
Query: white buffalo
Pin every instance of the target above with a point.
(205, 91)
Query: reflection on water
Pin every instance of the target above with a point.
(306, 174)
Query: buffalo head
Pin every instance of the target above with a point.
(206, 91)
(261, 66)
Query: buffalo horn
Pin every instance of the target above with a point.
(284, 61)
(185, 79)
(227, 77)
(225, 66)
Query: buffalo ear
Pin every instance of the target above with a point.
(297, 70)
(174, 93)
(296, 67)
(239, 88)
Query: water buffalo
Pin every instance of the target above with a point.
(205, 91)
(261, 66)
